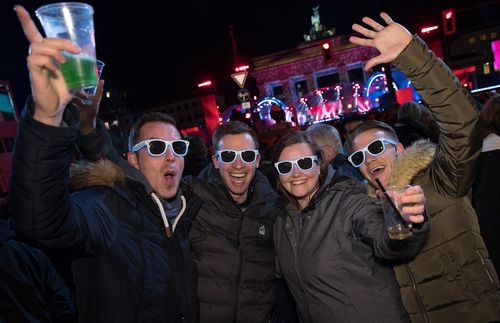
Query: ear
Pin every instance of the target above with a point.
(215, 160)
(133, 160)
(400, 148)
(257, 160)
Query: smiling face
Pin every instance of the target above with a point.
(300, 184)
(163, 172)
(237, 175)
(380, 166)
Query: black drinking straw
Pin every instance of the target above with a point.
(382, 188)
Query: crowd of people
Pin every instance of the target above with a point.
(302, 239)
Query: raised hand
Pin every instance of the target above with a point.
(50, 92)
(390, 40)
(88, 107)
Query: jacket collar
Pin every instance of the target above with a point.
(100, 173)
(414, 160)
(260, 189)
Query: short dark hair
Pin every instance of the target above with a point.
(298, 138)
(232, 128)
(375, 124)
(146, 118)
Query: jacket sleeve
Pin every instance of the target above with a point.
(42, 208)
(98, 144)
(454, 110)
(369, 225)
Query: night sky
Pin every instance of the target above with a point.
(160, 50)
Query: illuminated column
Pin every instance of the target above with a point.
(208, 102)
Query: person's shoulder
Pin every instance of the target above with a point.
(91, 174)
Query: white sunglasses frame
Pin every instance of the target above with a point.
(168, 143)
(295, 164)
(237, 154)
(365, 150)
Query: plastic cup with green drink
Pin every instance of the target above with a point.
(73, 21)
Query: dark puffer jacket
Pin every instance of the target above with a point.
(31, 290)
(451, 279)
(234, 251)
(127, 269)
(334, 256)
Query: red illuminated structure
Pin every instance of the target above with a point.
(210, 108)
(8, 128)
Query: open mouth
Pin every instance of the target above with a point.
(298, 182)
(238, 177)
(169, 175)
(377, 170)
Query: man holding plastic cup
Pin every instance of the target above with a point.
(451, 279)
(132, 260)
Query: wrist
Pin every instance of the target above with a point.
(87, 129)
(51, 120)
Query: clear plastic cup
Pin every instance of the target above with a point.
(92, 89)
(398, 225)
(73, 21)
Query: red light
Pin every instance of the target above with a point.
(427, 30)
(206, 83)
(325, 45)
(449, 23)
(189, 130)
(241, 68)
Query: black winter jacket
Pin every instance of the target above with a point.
(234, 250)
(334, 256)
(127, 269)
(31, 289)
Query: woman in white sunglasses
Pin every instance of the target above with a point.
(332, 246)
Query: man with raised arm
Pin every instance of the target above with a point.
(129, 236)
(451, 279)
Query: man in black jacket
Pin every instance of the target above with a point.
(232, 236)
(127, 226)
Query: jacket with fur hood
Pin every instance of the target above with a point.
(126, 269)
(451, 279)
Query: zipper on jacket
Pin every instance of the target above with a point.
(240, 261)
(484, 267)
(416, 294)
(298, 271)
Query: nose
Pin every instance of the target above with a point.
(369, 158)
(296, 171)
(169, 154)
(238, 163)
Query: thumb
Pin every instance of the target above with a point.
(98, 95)
(374, 61)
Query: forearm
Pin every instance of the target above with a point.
(39, 193)
(97, 144)
(455, 112)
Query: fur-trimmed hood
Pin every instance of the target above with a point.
(411, 162)
(101, 173)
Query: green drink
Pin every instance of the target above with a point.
(79, 71)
